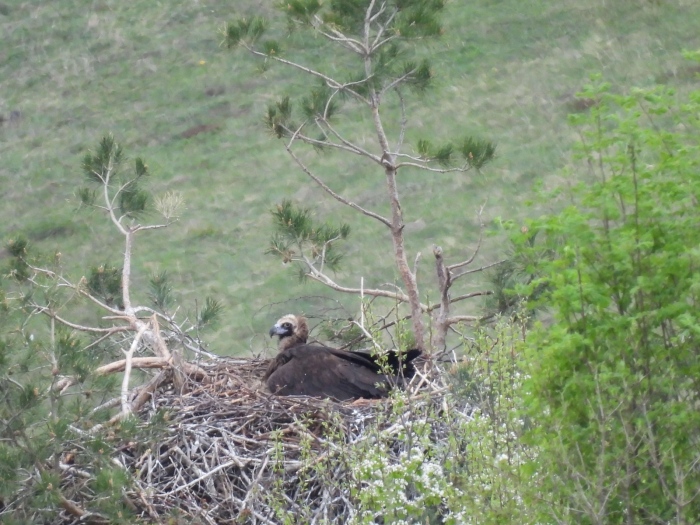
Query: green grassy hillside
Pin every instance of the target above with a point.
(153, 74)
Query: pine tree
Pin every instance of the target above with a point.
(372, 46)
(69, 387)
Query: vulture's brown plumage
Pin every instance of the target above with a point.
(321, 371)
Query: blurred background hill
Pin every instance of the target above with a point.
(154, 75)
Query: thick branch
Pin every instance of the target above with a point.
(147, 390)
(71, 508)
(463, 318)
(396, 226)
(126, 409)
(160, 346)
(368, 27)
(136, 362)
(126, 272)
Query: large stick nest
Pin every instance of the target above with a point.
(232, 453)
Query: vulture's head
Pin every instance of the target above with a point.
(291, 330)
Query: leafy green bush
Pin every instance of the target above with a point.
(615, 375)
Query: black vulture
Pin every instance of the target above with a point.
(321, 371)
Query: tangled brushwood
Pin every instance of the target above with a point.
(222, 450)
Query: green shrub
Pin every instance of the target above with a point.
(615, 376)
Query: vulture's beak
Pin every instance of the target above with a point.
(277, 330)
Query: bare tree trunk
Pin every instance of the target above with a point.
(408, 277)
(397, 225)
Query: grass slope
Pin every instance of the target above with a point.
(153, 74)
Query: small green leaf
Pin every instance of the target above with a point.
(210, 312)
(424, 148)
(132, 200)
(319, 104)
(161, 290)
(140, 167)
(418, 76)
(277, 118)
(87, 196)
(105, 283)
(17, 246)
(301, 10)
(104, 162)
(242, 28)
(477, 152)
(272, 47)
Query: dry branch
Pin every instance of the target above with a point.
(136, 362)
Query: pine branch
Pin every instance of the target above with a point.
(348, 43)
(322, 256)
(344, 146)
(145, 391)
(470, 295)
(396, 82)
(453, 267)
(72, 508)
(332, 83)
(140, 228)
(425, 167)
(415, 263)
(350, 146)
(333, 194)
(324, 279)
(368, 23)
(381, 29)
(99, 303)
(90, 329)
(65, 282)
(481, 269)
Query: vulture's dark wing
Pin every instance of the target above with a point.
(399, 364)
(324, 372)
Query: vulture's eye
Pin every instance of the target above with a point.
(287, 325)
